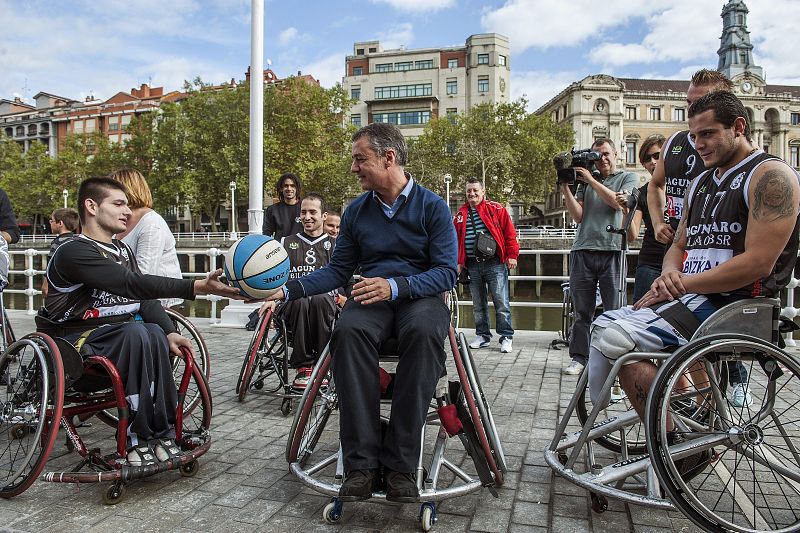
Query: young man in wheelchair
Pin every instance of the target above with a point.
(309, 319)
(738, 239)
(99, 302)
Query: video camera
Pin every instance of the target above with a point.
(567, 162)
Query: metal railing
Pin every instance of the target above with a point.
(30, 272)
(196, 236)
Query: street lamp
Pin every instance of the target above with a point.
(447, 179)
(65, 194)
(232, 185)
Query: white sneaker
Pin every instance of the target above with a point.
(505, 345)
(573, 369)
(479, 342)
(740, 396)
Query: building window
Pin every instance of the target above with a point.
(124, 138)
(630, 112)
(359, 51)
(452, 63)
(403, 91)
(125, 121)
(743, 58)
(355, 93)
(765, 148)
(452, 86)
(501, 60)
(403, 118)
(451, 114)
(655, 113)
(113, 123)
(794, 154)
(426, 63)
(483, 84)
(403, 65)
(355, 120)
(77, 126)
(679, 114)
(483, 59)
(358, 71)
(795, 119)
(373, 50)
(630, 152)
(383, 67)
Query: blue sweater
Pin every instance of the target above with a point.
(417, 247)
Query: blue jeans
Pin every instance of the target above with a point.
(491, 275)
(645, 276)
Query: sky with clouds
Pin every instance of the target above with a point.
(100, 47)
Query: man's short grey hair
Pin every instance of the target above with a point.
(603, 140)
(473, 180)
(383, 137)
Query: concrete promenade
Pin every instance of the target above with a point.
(244, 485)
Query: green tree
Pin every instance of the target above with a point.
(509, 149)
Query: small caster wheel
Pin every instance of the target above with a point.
(18, 431)
(427, 516)
(562, 458)
(258, 385)
(599, 503)
(332, 512)
(114, 494)
(190, 469)
(286, 407)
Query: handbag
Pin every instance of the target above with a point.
(485, 245)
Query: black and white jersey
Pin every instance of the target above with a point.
(716, 225)
(89, 279)
(682, 164)
(307, 254)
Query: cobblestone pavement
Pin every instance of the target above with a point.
(244, 485)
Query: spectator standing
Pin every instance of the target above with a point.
(64, 222)
(147, 233)
(487, 274)
(283, 219)
(8, 222)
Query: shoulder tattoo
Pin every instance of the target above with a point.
(772, 197)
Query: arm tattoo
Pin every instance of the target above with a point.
(772, 198)
(641, 395)
(680, 231)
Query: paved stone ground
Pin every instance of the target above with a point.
(244, 484)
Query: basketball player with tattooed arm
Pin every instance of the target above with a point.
(737, 238)
(96, 295)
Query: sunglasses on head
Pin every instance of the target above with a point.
(654, 157)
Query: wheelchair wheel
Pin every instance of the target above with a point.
(734, 468)
(202, 358)
(482, 404)
(31, 402)
(452, 303)
(567, 316)
(8, 332)
(316, 405)
(258, 362)
(634, 435)
(195, 421)
(492, 451)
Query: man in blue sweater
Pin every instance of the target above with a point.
(401, 236)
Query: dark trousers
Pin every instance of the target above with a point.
(141, 354)
(310, 320)
(420, 327)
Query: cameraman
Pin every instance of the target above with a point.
(595, 252)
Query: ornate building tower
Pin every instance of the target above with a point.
(735, 51)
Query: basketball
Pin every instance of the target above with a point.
(257, 265)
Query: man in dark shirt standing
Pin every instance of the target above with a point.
(283, 219)
(401, 236)
(8, 222)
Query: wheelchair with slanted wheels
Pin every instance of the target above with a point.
(47, 384)
(459, 409)
(726, 468)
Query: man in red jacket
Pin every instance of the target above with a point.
(480, 215)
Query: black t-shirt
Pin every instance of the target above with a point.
(652, 252)
(58, 241)
(282, 220)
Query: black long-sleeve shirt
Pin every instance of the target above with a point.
(282, 220)
(100, 282)
(8, 222)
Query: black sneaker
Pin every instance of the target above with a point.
(401, 487)
(358, 485)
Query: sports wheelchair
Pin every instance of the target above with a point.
(47, 384)
(459, 408)
(725, 468)
(268, 356)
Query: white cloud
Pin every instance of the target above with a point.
(328, 70)
(774, 35)
(287, 36)
(417, 6)
(551, 23)
(397, 36)
(538, 87)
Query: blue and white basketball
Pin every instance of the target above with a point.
(257, 265)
